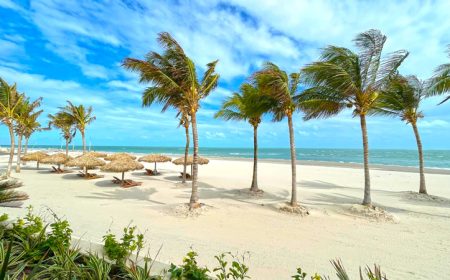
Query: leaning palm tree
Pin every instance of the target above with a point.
(10, 101)
(344, 79)
(66, 124)
(440, 83)
(402, 98)
(25, 116)
(282, 89)
(81, 117)
(248, 105)
(175, 84)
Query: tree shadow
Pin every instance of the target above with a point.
(317, 184)
(135, 193)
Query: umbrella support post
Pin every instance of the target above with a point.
(154, 170)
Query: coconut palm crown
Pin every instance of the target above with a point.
(343, 79)
(80, 116)
(402, 99)
(440, 83)
(66, 124)
(174, 82)
(248, 105)
(282, 89)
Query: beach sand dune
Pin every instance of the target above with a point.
(414, 245)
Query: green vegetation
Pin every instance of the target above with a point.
(343, 79)
(174, 81)
(79, 116)
(30, 248)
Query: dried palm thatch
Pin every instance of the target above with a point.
(190, 160)
(120, 156)
(7, 193)
(59, 158)
(36, 156)
(122, 165)
(155, 158)
(96, 154)
(86, 162)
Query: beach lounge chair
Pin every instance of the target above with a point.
(188, 176)
(116, 180)
(55, 170)
(150, 172)
(130, 183)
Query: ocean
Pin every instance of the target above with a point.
(433, 158)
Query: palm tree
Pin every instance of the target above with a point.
(31, 126)
(10, 100)
(65, 123)
(25, 116)
(174, 79)
(440, 83)
(81, 117)
(402, 98)
(282, 89)
(248, 105)
(343, 79)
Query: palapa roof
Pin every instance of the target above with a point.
(122, 165)
(120, 156)
(86, 160)
(190, 160)
(97, 154)
(155, 158)
(36, 156)
(58, 158)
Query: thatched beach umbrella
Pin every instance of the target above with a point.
(96, 154)
(86, 162)
(36, 156)
(120, 156)
(155, 158)
(190, 161)
(59, 158)
(122, 165)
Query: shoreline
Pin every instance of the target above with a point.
(353, 165)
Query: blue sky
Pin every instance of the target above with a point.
(72, 50)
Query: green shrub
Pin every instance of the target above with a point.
(189, 270)
(120, 251)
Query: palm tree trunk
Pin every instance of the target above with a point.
(26, 148)
(254, 186)
(367, 200)
(422, 188)
(84, 141)
(186, 152)
(293, 162)
(193, 203)
(19, 151)
(67, 147)
(11, 151)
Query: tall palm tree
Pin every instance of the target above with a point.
(174, 78)
(66, 124)
(10, 100)
(248, 105)
(81, 117)
(402, 98)
(282, 89)
(344, 79)
(25, 116)
(440, 83)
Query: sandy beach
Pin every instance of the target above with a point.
(234, 221)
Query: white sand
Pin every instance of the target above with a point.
(417, 246)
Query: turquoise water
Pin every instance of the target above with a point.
(433, 158)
